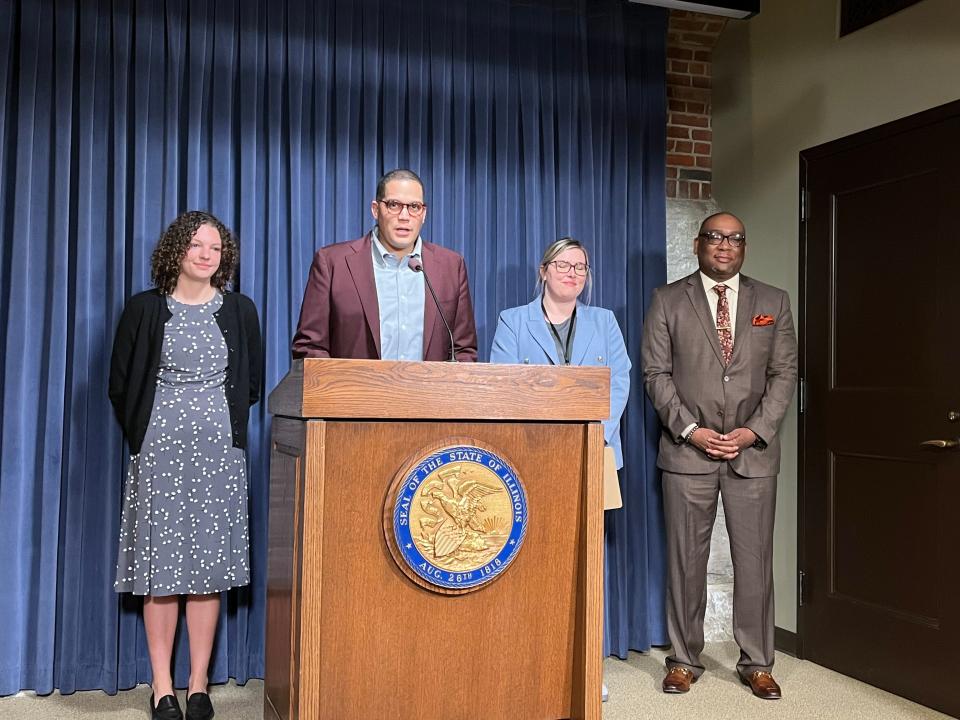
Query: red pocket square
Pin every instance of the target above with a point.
(761, 320)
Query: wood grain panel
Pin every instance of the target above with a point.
(349, 635)
(283, 574)
(381, 389)
(311, 637)
(588, 669)
(391, 649)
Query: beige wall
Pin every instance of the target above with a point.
(784, 82)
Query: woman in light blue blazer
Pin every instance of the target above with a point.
(557, 329)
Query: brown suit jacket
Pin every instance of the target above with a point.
(687, 382)
(340, 316)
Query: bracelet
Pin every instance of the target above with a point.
(686, 438)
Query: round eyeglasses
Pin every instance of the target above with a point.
(395, 207)
(713, 237)
(563, 266)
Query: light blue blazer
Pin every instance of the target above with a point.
(523, 337)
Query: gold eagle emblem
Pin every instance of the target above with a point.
(461, 516)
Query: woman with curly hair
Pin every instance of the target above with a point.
(184, 372)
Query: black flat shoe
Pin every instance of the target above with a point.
(167, 709)
(199, 707)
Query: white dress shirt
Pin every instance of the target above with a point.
(733, 292)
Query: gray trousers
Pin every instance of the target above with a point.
(690, 509)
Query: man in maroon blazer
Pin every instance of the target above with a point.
(364, 300)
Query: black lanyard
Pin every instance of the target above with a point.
(553, 329)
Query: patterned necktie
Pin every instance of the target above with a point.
(724, 330)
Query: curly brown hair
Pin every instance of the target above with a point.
(172, 248)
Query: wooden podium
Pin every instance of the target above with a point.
(349, 636)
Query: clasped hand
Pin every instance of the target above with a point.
(723, 446)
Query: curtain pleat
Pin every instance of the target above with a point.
(527, 120)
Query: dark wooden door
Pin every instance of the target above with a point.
(880, 344)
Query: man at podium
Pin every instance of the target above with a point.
(389, 295)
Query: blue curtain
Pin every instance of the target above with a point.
(527, 121)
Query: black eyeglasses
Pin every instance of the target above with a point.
(563, 266)
(714, 237)
(395, 207)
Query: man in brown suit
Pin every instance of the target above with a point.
(720, 366)
(364, 299)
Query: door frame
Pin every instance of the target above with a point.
(880, 132)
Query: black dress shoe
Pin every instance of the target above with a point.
(199, 707)
(167, 709)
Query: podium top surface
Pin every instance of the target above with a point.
(385, 389)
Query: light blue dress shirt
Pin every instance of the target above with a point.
(400, 299)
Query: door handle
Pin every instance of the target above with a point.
(941, 444)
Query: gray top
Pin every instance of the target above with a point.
(563, 336)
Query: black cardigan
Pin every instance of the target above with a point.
(136, 360)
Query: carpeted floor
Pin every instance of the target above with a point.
(810, 693)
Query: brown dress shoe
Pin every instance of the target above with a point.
(678, 680)
(762, 684)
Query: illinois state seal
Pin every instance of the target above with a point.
(455, 518)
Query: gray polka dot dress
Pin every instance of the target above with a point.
(183, 529)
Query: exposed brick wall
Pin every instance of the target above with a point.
(690, 41)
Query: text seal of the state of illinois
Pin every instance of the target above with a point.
(455, 517)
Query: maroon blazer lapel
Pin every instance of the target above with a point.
(361, 269)
(430, 319)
